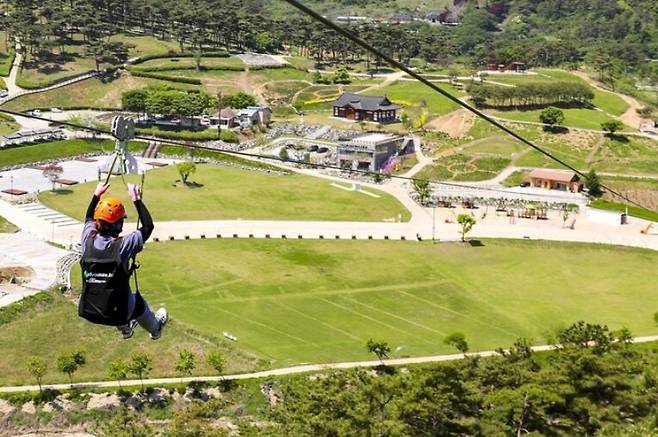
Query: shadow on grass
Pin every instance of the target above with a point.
(62, 192)
(556, 129)
(475, 243)
(618, 138)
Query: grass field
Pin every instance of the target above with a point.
(515, 179)
(574, 117)
(630, 155)
(55, 327)
(145, 45)
(56, 149)
(190, 63)
(42, 72)
(229, 193)
(620, 207)
(6, 227)
(320, 301)
(8, 126)
(414, 93)
(90, 93)
(608, 103)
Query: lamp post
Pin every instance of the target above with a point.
(219, 115)
(433, 222)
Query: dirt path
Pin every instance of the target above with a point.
(455, 124)
(630, 117)
(244, 83)
(595, 149)
(390, 78)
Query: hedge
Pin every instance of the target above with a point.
(187, 67)
(179, 79)
(178, 135)
(5, 67)
(172, 54)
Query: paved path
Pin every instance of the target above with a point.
(22, 249)
(281, 372)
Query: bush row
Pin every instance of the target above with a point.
(173, 54)
(6, 66)
(179, 79)
(226, 135)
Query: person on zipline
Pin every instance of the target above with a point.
(106, 295)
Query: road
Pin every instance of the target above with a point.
(280, 372)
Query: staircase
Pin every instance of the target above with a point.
(152, 150)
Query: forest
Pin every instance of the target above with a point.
(616, 38)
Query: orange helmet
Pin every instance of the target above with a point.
(109, 209)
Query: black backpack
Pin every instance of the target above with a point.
(105, 285)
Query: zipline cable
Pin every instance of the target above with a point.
(304, 163)
(355, 39)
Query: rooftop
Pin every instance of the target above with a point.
(554, 175)
(366, 103)
(374, 138)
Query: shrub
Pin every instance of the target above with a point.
(174, 54)
(179, 79)
(229, 136)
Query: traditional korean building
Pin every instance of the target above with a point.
(368, 108)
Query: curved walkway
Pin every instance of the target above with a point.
(282, 371)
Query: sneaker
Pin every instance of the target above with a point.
(128, 330)
(162, 316)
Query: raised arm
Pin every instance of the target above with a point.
(144, 216)
(101, 188)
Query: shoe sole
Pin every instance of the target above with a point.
(132, 331)
(164, 323)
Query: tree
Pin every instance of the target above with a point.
(467, 222)
(185, 170)
(238, 101)
(283, 154)
(612, 126)
(342, 76)
(186, 362)
(37, 367)
(551, 116)
(458, 341)
(423, 189)
(216, 361)
(118, 370)
(52, 172)
(134, 100)
(593, 184)
(380, 348)
(68, 364)
(141, 365)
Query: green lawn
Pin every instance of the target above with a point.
(56, 149)
(42, 72)
(574, 117)
(6, 54)
(462, 167)
(55, 327)
(229, 193)
(292, 301)
(187, 62)
(6, 227)
(145, 45)
(629, 155)
(409, 93)
(90, 93)
(516, 178)
(496, 145)
(8, 126)
(620, 207)
(608, 103)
